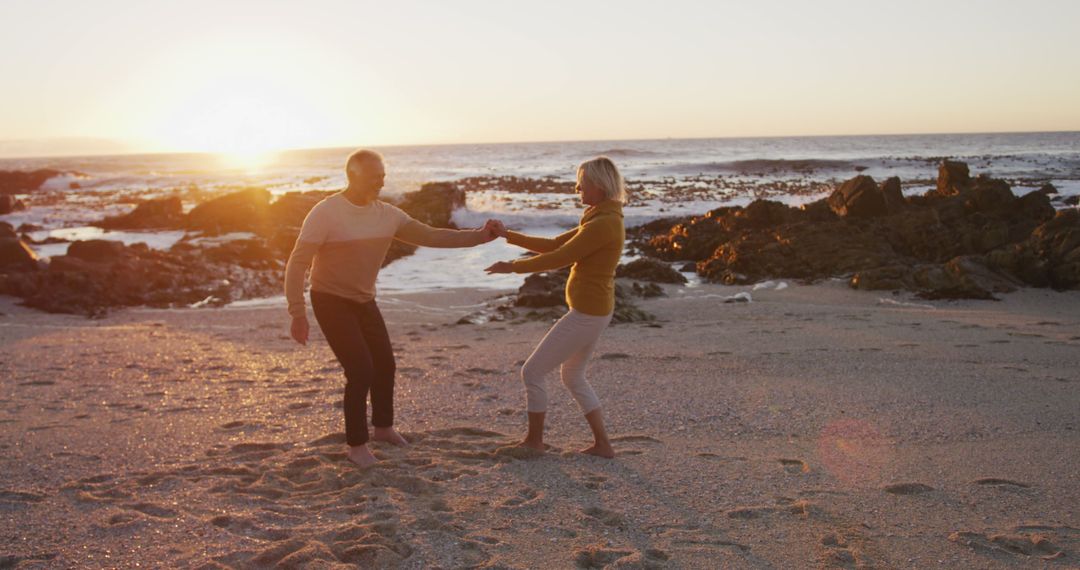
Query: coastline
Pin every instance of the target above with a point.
(816, 425)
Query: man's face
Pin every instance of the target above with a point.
(371, 177)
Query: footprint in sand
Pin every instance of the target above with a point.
(996, 482)
(608, 517)
(601, 557)
(837, 553)
(1009, 543)
(794, 465)
(907, 489)
(614, 356)
(524, 497)
(635, 438)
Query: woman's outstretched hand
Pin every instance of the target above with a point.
(501, 267)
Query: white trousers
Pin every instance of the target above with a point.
(568, 346)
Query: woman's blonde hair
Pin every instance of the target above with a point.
(601, 172)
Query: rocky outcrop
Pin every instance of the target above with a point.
(164, 213)
(651, 270)
(16, 256)
(98, 275)
(859, 197)
(9, 204)
(545, 293)
(966, 238)
(21, 182)
(244, 211)
(434, 203)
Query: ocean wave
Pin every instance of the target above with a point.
(766, 166)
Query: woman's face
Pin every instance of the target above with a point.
(591, 195)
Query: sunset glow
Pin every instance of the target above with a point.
(246, 77)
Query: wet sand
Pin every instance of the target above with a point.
(813, 427)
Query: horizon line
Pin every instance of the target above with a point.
(487, 143)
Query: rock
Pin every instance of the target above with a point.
(1047, 189)
(989, 194)
(953, 178)
(7, 230)
(251, 253)
(543, 290)
(290, 209)
(244, 211)
(434, 203)
(9, 204)
(164, 213)
(1073, 200)
(859, 197)
(894, 194)
(16, 255)
(647, 291)
(19, 182)
(649, 269)
(97, 250)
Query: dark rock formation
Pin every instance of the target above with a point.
(7, 230)
(649, 269)
(968, 238)
(859, 197)
(20, 182)
(953, 178)
(244, 211)
(547, 291)
(9, 204)
(164, 213)
(434, 203)
(98, 275)
(16, 256)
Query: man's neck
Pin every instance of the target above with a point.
(357, 197)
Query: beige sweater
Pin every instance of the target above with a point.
(345, 244)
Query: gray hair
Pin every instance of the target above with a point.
(358, 159)
(601, 172)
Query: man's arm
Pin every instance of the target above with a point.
(540, 244)
(295, 273)
(419, 233)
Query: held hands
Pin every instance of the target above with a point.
(494, 229)
(501, 267)
(299, 330)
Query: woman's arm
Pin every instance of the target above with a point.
(584, 241)
(539, 244)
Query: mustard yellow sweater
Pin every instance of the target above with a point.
(594, 248)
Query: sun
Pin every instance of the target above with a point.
(239, 103)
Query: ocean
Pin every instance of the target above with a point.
(667, 177)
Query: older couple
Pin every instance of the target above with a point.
(344, 240)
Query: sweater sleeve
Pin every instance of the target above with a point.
(419, 233)
(312, 235)
(540, 244)
(585, 240)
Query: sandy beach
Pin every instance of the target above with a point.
(816, 426)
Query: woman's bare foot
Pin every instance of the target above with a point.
(537, 445)
(361, 455)
(600, 450)
(389, 435)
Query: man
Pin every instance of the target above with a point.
(344, 240)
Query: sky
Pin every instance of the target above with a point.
(237, 76)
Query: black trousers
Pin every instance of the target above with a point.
(357, 334)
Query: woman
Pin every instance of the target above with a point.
(593, 249)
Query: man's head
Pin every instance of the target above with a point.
(366, 173)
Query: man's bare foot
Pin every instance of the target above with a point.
(600, 450)
(361, 455)
(537, 445)
(389, 435)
